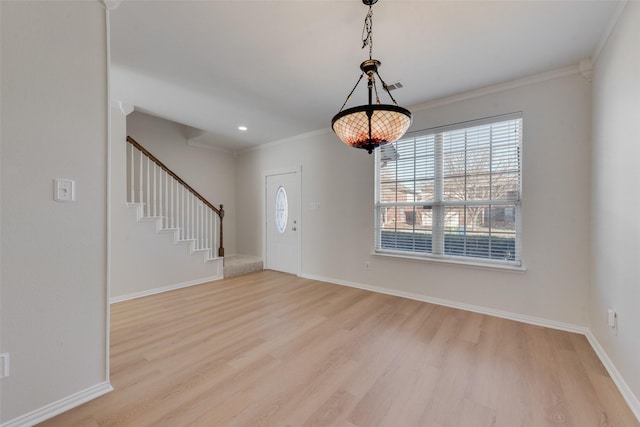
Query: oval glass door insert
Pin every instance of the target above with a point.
(282, 210)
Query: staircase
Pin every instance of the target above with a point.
(161, 196)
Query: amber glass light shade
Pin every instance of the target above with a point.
(369, 126)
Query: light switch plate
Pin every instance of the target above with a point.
(612, 318)
(64, 190)
(4, 365)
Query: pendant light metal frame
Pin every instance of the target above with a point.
(374, 124)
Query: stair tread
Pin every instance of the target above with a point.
(241, 264)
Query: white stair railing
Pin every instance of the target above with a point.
(165, 196)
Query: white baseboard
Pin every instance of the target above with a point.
(619, 381)
(167, 288)
(62, 405)
(622, 385)
(98, 390)
(453, 304)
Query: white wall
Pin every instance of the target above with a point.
(616, 199)
(145, 262)
(141, 259)
(338, 238)
(53, 272)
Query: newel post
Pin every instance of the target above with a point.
(221, 248)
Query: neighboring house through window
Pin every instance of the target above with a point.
(452, 192)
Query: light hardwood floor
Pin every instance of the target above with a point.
(271, 349)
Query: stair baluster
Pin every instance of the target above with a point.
(180, 208)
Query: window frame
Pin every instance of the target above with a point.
(438, 205)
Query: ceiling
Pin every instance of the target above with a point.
(284, 68)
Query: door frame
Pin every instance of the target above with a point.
(298, 171)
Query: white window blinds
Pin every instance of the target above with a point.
(452, 192)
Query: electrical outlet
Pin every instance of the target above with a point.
(4, 365)
(612, 320)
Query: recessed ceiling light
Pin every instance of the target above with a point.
(242, 128)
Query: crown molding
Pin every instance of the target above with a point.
(192, 143)
(500, 87)
(110, 4)
(124, 107)
(586, 68)
(285, 140)
(612, 25)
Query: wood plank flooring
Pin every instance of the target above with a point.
(271, 349)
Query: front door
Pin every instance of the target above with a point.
(283, 222)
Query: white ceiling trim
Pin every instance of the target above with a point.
(612, 25)
(500, 87)
(286, 140)
(110, 5)
(205, 146)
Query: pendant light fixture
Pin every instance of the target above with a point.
(371, 125)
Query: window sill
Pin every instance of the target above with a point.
(454, 261)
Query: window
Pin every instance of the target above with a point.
(452, 192)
